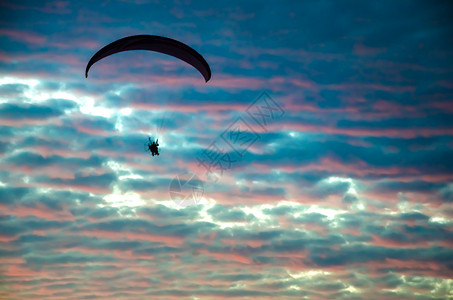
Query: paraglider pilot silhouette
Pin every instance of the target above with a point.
(153, 147)
(157, 44)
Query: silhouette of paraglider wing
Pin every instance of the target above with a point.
(154, 43)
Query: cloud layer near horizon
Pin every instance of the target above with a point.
(348, 195)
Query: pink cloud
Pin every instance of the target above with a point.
(51, 171)
(39, 211)
(362, 50)
(379, 241)
(29, 122)
(378, 132)
(46, 151)
(254, 243)
(21, 271)
(240, 258)
(95, 131)
(7, 238)
(26, 36)
(118, 253)
(351, 231)
(169, 240)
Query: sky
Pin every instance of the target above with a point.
(333, 124)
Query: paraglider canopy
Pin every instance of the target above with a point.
(154, 43)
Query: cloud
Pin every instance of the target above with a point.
(344, 197)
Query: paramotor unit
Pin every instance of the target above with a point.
(152, 146)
